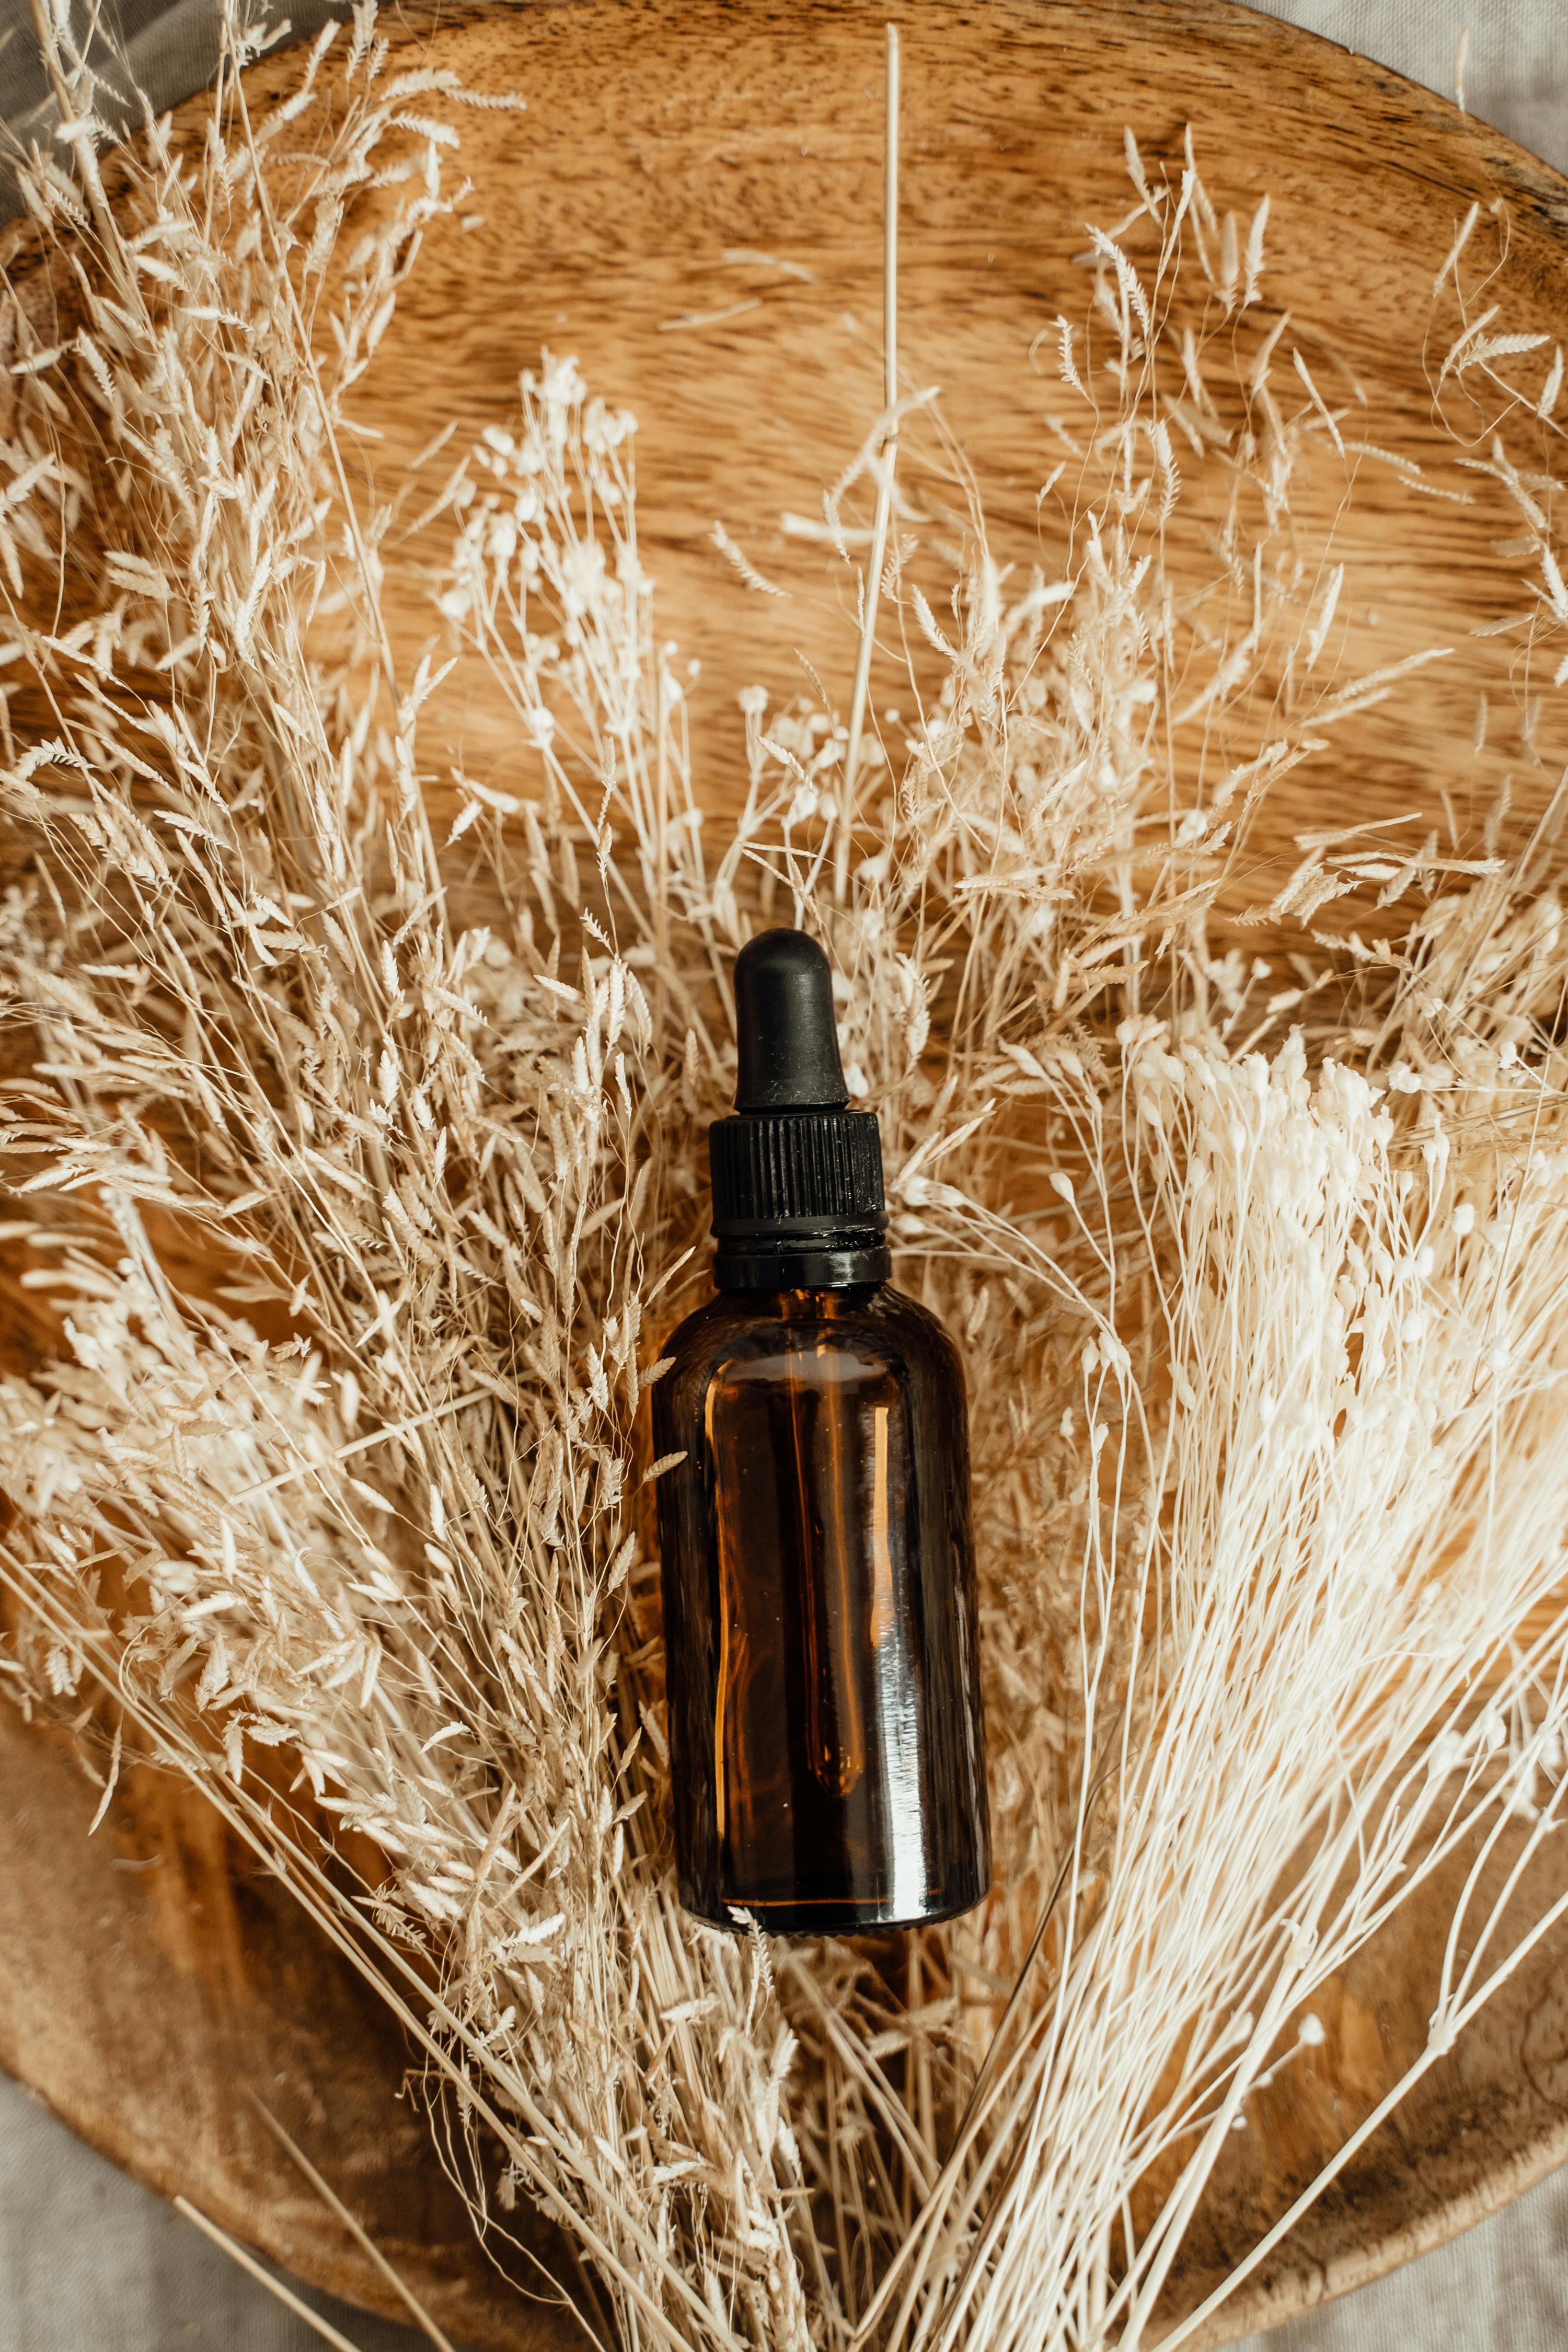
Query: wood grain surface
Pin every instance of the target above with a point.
(673, 157)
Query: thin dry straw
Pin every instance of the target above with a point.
(366, 2245)
(275, 2286)
(1437, 2047)
(889, 458)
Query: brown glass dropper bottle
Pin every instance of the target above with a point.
(826, 1731)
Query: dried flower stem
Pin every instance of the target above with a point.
(888, 460)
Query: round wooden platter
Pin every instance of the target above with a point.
(692, 206)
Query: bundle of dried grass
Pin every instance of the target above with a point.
(354, 1226)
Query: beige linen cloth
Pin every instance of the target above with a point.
(89, 2260)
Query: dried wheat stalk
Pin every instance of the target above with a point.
(1258, 1299)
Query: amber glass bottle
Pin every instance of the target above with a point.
(826, 1739)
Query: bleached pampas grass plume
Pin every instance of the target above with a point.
(350, 1234)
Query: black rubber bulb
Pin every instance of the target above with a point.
(787, 1040)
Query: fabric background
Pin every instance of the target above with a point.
(88, 2259)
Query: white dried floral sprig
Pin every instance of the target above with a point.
(1260, 1324)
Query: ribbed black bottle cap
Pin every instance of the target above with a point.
(797, 1175)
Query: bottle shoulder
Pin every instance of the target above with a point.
(925, 1343)
(880, 1324)
(897, 1311)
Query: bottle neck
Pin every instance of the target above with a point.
(811, 1307)
(846, 1261)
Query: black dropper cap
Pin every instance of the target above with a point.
(797, 1176)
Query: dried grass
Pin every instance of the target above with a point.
(352, 1232)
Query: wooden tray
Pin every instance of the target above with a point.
(150, 1980)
